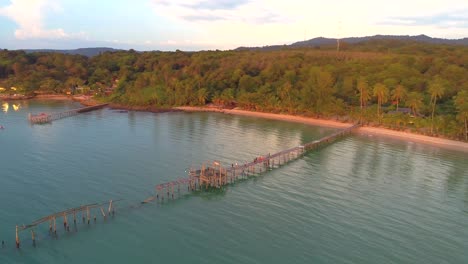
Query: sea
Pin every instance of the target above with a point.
(361, 199)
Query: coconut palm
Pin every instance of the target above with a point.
(399, 94)
(436, 89)
(364, 95)
(202, 95)
(461, 103)
(381, 92)
(415, 102)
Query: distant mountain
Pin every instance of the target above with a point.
(321, 41)
(88, 52)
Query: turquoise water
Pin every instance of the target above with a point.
(360, 200)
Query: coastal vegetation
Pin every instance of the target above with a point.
(396, 84)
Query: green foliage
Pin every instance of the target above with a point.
(381, 93)
(399, 94)
(461, 103)
(354, 84)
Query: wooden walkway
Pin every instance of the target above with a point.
(43, 118)
(214, 175)
(210, 175)
(85, 211)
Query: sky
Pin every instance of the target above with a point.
(218, 24)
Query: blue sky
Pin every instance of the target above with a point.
(221, 24)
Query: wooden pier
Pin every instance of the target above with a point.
(85, 210)
(43, 118)
(214, 175)
(211, 175)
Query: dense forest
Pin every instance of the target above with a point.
(396, 84)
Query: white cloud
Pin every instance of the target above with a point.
(29, 16)
(208, 11)
(232, 23)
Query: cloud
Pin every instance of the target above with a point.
(217, 4)
(195, 18)
(200, 11)
(29, 16)
(454, 19)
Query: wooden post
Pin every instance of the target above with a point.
(102, 212)
(172, 190)
(110, 207)
(87, 213)
(65, 220)
(74, 216)
(17, 238)
(33, 237)
(55, 226)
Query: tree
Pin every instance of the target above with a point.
(436, 89)
(364, 95)
(202, 95)
(414, 101)
(461, 103)
(320, 83)
(284, 93)
(399, 94)
(381, 92)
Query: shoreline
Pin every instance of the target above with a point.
(406, 136)
(282, 117)
(365, 130)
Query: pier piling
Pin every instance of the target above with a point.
(17, 238)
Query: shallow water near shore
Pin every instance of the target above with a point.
(363, 199)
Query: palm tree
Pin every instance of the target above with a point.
(202, 95)
(414, 101)
(284, 92)
(436, 88)
(381, 92)
(363, 89)
(461, 103)
(399, 94)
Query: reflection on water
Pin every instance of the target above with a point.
(358, 200)
(16, 107)
(6, 107)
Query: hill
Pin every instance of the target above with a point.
(88, 52)
(321, 41)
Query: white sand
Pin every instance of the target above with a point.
(440, 142)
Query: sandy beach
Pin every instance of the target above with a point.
(53, 97)
(439, 142)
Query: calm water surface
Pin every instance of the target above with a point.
(360, 200)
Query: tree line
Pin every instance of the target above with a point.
(400, 85)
